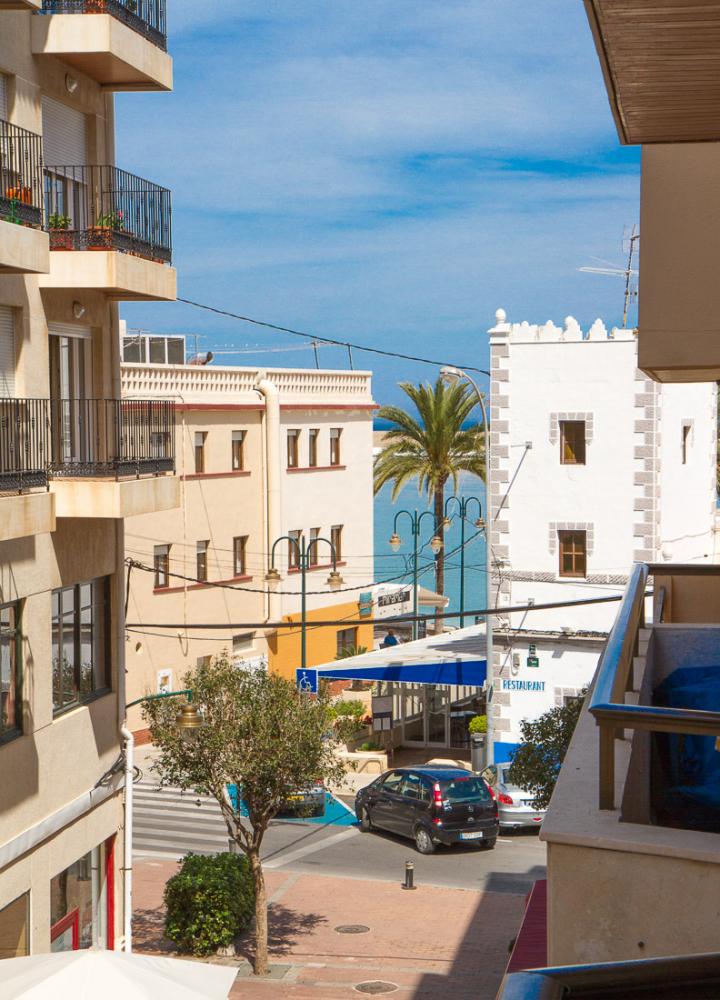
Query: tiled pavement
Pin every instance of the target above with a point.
(433, 943)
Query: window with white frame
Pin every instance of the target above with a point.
(293, 449)
(335, 433)
(161, 562)
(238, 451)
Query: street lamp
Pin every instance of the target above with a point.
(303, 552)
(451, 376)
(464, 504)
(436, 544)
(189, 720)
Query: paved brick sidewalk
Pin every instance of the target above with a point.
(433, 943)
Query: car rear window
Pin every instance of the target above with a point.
(505, 780)
(464, 789)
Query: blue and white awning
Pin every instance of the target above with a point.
(456, 658)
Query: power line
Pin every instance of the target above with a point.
(329, 340)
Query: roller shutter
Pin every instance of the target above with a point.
(3, 97)
(69, 330)
(64, 134)
(7, 351)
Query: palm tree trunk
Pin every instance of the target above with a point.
(439, 503)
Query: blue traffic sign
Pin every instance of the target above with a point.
(307, 681)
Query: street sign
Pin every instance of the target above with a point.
(365, 604)
(533, 661)
(307, 681)
(532, 650)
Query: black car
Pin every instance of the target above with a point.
(431, 805)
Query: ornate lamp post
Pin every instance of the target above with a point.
(464, 504)
(436, 544)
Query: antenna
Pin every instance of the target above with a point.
(631, 239)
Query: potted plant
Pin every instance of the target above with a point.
(60, 238)
(101, 234)
(95, 6)
(19, 193)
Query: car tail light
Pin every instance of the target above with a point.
(319, 781)
(437, 795)
(504, 799)
(437, 822)
(491, 790)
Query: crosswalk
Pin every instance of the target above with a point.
(168, 822)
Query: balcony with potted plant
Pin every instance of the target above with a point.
(121, 44)
(110, 231)
(23, 244)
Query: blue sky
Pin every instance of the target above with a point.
(390, 171)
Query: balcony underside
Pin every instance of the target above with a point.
(26, 514)
(118, 275)
(104, 49)
(20, 4)
(23, 250)
(97, 498)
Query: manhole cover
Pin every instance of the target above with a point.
(376, 986)
(352, 929)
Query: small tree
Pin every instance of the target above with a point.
(260, 735)
(537, 761)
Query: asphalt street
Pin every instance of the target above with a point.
(517, 860)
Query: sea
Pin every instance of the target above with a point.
(397, 567)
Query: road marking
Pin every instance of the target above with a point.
(302, 852)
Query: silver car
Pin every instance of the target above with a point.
(515, 809)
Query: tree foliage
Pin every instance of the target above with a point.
(260, 735)
(544, 742)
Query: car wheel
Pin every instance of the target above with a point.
(365, 821)
(423, 841)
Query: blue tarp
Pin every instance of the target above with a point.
(462, 672)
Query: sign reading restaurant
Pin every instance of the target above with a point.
(523, 685)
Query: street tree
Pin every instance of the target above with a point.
(544, 742)
(431, 446)
(260, 736)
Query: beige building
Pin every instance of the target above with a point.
(77, 235)
(264, 456)
(633, 828)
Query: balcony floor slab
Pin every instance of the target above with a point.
(108, 498)
(109, 52)
(118, 275)
(26, 514)
(23, 250)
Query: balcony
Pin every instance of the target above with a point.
(110, 232)
(20, 5)
(633, 826)
(121, 44)
(26, 508)
(23, 245)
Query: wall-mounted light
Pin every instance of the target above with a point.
(71, 84)
(78, 310)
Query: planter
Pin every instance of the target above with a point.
(96, 6)
(100, 238)
(21, 194)
(61, 239)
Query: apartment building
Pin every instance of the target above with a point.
(77, 235)
(593, 466)
(275, 466)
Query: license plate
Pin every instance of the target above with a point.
(295, 798)
(475, 835)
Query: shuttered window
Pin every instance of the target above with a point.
(69, 330)
(3, 97)
(64, 134)
(7, 351)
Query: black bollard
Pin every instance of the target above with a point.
(409, 882)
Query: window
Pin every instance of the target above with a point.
(336, 539)
(573, 553)
(238, 457)
(413, 787)
(572, 442)
(201, 553)
(78, 904)
(293, 439)
(346, 641)
(335, 433)
(10, 670)
(294, 545)
(243, 642)
(80, 642)
(239, 551)
(313, 448)
(162, 565)
(200, 451)
(313, 555)
(686, 441)
(393, 781)
(160, 444)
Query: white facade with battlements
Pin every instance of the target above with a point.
(645, 492)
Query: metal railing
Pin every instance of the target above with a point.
(147, 17)
(105, 208)
(21, 178)
(112, 437)
(24, 444)
(614, 678)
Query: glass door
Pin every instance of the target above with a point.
(436, 715)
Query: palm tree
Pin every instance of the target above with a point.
(431, 447)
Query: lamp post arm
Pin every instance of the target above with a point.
(399, 514)
(468, 501)
(282, 538)
(459, 502)
(333, 553)
(163, 694)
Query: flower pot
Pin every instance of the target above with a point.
(95, 6)
(21, 194)
(61, 239)
(100, 238)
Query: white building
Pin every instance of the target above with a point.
(592, 466)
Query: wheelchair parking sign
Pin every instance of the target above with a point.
(307, 681)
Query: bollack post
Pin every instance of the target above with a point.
(409, 882)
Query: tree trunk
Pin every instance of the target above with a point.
(439, 502)
(260, 965)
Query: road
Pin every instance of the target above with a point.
(517, 860)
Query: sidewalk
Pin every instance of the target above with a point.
(432, 943)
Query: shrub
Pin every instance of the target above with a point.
(349, 707)
(478, 724)
(209, 902)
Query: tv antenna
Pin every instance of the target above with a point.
(631, 239)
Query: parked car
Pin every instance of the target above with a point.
(309, 801)
(515, 808)
(431, 805)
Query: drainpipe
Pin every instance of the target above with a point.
(272, 478)
(127, 840)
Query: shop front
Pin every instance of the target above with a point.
(81, 899)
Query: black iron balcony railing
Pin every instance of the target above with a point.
(112, 437)
(20, 175)
(147, 17)
(91, 438)
(104, 208)
(24, 444)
